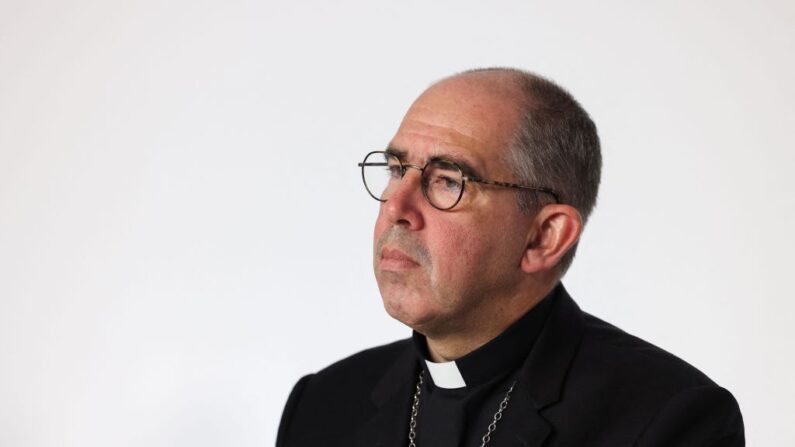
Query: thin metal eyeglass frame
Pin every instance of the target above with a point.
(464, 179)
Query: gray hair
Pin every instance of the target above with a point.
(555, 146)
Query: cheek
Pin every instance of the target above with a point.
(466, 255)
(456, 252)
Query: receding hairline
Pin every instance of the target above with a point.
(498, 79)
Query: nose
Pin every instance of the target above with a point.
(405, 206)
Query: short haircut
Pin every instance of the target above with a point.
(555, 146)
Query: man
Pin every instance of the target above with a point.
(484, 192)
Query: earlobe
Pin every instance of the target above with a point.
(555, 230)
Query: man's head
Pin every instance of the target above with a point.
(489, 256)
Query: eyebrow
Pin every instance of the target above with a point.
(466, 168)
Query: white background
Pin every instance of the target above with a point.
(184, 233)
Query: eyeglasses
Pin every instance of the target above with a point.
(442, 182)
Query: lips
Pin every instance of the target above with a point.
(394, 259)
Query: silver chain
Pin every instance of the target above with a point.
(486, 438)
(414, 407)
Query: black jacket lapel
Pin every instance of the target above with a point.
(543, 374)
(526, 426)
(389, 424)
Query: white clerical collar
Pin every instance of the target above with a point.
(446, 374)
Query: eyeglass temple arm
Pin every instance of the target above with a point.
(515, 186)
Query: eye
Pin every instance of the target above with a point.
(444, 183)
(451, 184)
(394, 171)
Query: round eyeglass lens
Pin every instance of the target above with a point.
(381, 172)
(443, 183)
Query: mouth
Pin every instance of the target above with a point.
(396, 260)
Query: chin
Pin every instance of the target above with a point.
(412, 311)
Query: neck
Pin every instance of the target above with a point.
(446, 346)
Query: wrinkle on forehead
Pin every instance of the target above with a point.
(473, 120)
(464, 123)
(442, 135)
(420, 142)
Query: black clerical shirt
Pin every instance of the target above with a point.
(457, 408)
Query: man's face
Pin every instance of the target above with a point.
(442, 271)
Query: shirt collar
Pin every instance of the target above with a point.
(501, 355)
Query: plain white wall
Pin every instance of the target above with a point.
(184, 233)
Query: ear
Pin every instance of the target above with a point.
(555, 230)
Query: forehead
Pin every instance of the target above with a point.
(459, 119)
